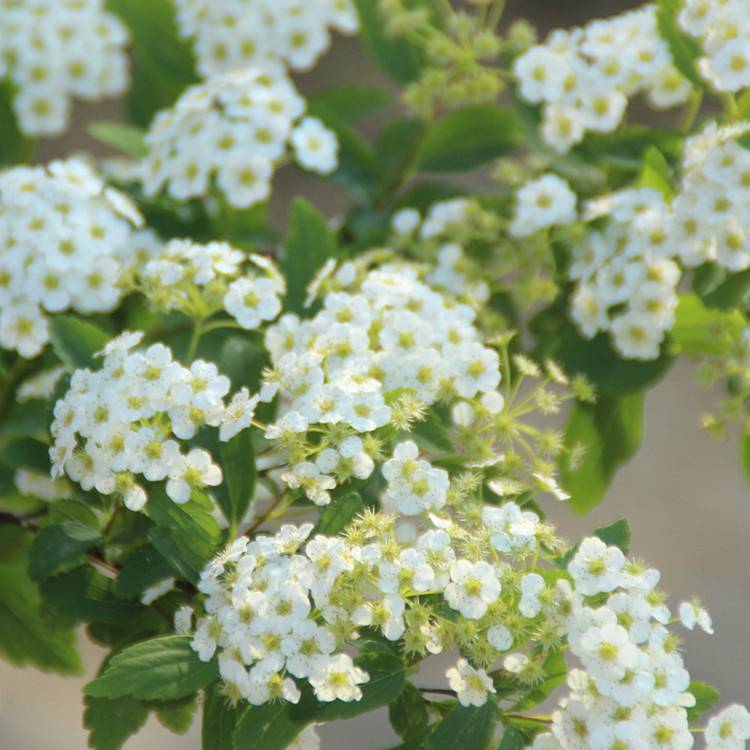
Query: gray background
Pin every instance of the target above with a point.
(684, 494)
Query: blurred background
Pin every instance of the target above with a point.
(683, 493)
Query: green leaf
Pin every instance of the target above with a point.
(347, 104)
(13, 143)
(309, 244)
(745, 455)
(610, 431)
(556, 672)
(656, 173)
(684, 49)
(59, 547)
(85, 595)
(143, 568)
(733, 291)
(238, 463)
(398, 145)
(186, 535)
(163, 63)
(164, 668)
(76, 341)
(128, 139)
(465, 727)
(178, 715)
(408, 713)
(512, 739)
(112, 722)
(219, 720)
(400, 59)
(468, 138)
(26, 636)
(616, 534)
(26, 452)
(339, 514)
(387, 676)
(700, 330)
(706, 697)
(267, 727)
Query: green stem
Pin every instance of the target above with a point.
(218, 324)
(194, 340)
(691, 111)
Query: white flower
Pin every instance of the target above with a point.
(532, 584)
(336, 678)
(239, 414)
(500, 637)
(728, 730)
(252, 301)
(471, 685)
(595, 567)
(315, 484)
(693, 613)
(315, 146)
(473, 587)
(544, 202)
(194, 471)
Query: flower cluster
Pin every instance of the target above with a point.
(356, 379)
(280, 610)
(53, 50)
(541, 203)
(66, 242)
(723, 29)
(233, 130)
(266, 33)
(626, 281)
(200, 280)
(585, 76)
(126, 419)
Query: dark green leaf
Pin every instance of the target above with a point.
(398, 145)
(238, 463)
(468, 138)
(60, 546)
(219, 720)
(26, 452)
(408, 713)
(684, 49)
(700, 330)
(76, 341)
(85, 595)
(616, 534)
(465, 727)
(267, 727)
(512, 739)
(339, 514)
(186, 535)
(309, 244)
(112, 722)
(733, 291)
(387, 676)
(128, 139)
(163, 63)
(12, 144)
(143, 568)
(400, 59)
(347, 104)
(73, 510)
(706, 697)
(163, 668)
(610, 431)
(178, 715)
(26, 636)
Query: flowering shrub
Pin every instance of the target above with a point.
(277, 471)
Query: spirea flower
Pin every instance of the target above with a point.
(266, 33)
(66, 243)
(584, 77)
(55, 50)
(232, 131)
(126, 423)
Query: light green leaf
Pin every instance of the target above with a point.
(339, 514)
(706, 697)
(76, 341)
(656, 173)
(400, 59)
(610, 432)
(26, 635)
(700, 330)
(309, 244)
(164, 668)
(112, 722)
(59, 547)
(684, 49)
(128, 139)
(468, 138)
(745, 451)
(465, 727)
